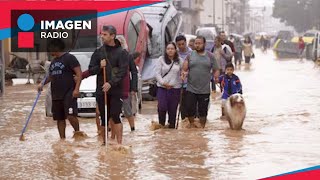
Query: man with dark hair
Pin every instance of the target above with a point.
(225, 41)
(198, 68)
(183, 51)
(115, 60)
(63, 87)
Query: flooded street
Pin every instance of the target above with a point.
(281, 133)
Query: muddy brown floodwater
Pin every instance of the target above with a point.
(281, 133)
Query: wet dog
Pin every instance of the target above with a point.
(317, 63)
(235, 111)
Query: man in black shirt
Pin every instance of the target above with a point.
(63, 87)
(112, 56)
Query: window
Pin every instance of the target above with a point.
(172, 26)
(172, 29)
(309, 35)
(133, 31)
(136, 20)
(167, 37)
(132, 37)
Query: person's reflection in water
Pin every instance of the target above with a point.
(233, 151)
(180, 156)
(64, 160)
(115, 164)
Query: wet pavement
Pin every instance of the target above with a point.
(281, 133)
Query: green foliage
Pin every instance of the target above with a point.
(301, 14)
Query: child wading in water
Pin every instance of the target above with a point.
(230, 83)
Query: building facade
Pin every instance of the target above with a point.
(190, 10)
(228, 15)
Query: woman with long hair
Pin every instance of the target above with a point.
(169, 84)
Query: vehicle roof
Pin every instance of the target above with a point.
(206, 28)
(236, 35)
(154, 14)
(313, 31)
(190, 35)
(117, 20)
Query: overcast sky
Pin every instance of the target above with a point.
(255, 3)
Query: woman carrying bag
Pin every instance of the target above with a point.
(169, 84)
(247, 50)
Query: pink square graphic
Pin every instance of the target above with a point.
(25, 40)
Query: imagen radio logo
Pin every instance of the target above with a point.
(33, 29)
(25, 24)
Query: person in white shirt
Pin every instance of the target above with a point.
(169, 84)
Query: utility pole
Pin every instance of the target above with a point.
(222, 4)
(213, 11)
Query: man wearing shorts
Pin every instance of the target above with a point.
(63, 87)
(128, 106)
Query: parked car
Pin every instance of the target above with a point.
(285, 35)
(87, 100)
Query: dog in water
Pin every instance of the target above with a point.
(317, 62)
(235, 111)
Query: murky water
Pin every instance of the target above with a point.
(282, 132)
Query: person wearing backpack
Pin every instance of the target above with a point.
(223, 54)
(169, 84)
(199, 66)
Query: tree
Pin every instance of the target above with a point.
(301, 14)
